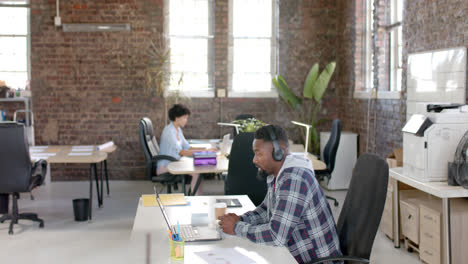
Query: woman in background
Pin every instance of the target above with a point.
(173, 142)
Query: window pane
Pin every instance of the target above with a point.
(188, 17)
(13, 21)
(189, 55)
(252, 18)
(14, 79)
(13, 54)
(251, 82)
(399, 10)
(191, 81)
(252, 55)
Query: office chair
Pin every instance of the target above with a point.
(242, 173)
(362, 210)
(329, 154)
(18, 174)
(241, 117)
(150, 148)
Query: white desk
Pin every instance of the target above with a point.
(150, 220)
(438, 189)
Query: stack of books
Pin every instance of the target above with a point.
(204, 158)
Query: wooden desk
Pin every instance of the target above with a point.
(438, 189)
(150, 220)
(61, 155)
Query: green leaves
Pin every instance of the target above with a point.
(288, 96)
(315, 85)
(310, 80)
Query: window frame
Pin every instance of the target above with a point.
(274, 54)
(211, 89)
(21, 4)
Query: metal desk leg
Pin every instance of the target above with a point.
(102, 184)
(396, 205)
(446, 231)
(90, 205)
(97, 185)
(194, 191)
(107, 177)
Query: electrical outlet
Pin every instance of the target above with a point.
(221, 93)
(57, 21)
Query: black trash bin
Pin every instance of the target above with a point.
(81, 209)
(4, 199)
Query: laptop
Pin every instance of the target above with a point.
(189, 232)
(225, 146)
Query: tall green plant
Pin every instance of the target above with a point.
(306, 106)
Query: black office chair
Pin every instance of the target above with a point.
(329, 154)
(18, 174)
(150, 148)
(241, 117)
(362, 210)
(242, 173)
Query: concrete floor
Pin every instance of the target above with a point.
(106, 238)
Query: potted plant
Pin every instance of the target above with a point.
(306, 107)
(249, 124)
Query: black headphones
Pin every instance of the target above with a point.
(278, 153)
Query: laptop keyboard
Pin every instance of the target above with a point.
(188, 232)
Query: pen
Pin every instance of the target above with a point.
(178, 228)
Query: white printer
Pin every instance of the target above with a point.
(430, 140)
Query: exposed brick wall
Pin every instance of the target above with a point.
(88, 88)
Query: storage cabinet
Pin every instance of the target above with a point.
(346, 157)
(430, 231)
(409, 213)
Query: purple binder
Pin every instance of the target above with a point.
(204, 162)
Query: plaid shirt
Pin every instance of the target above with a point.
(299, 216)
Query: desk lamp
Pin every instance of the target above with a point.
(230, 124)
(307, 134)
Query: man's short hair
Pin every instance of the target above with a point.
(178, 110)
(281, 135)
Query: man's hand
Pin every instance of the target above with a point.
(228, 222)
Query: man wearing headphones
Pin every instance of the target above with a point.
(295, 212)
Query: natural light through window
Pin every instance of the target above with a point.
(14, 46)
(253, 46)
(190, 37)
(369, 72)
(396, 45)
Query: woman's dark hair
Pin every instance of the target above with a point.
(178, 110)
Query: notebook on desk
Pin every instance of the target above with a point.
(188, 232)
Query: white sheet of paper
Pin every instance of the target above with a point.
(44, 154)
(88, 146)
(80, 154)
(39, 147)
(82, 149)
(34, 150)
(224, 256)
(35, 158)
(206, 146)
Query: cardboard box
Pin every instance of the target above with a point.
(395, 159)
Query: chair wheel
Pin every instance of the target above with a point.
(336, 203)
(2, 221)
(10, 232)
(41, 225)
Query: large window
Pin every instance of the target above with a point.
(253, 39)
(369, 49)
(396, 46)
(379, 41)
(14, 43)
(191, 46)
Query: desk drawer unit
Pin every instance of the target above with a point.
(410, 220)
(430, 233)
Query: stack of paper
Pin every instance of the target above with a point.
(105, 145)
